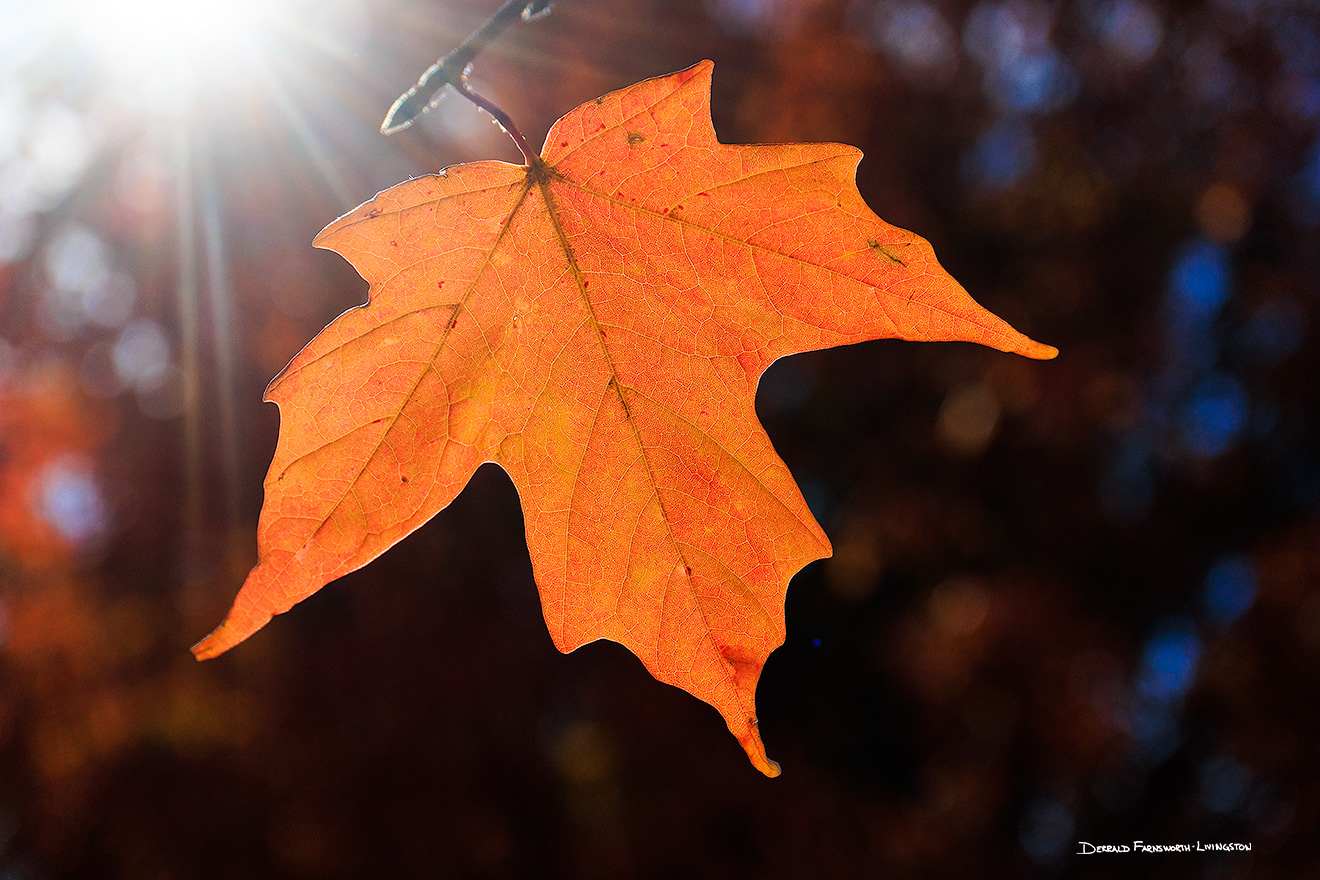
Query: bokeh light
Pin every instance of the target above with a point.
(968, 419)
(66, 496)
(1214, 416)
(1047, 831)
(1170, 661)
(1131, 30)
(919, 39)
(1230, 588)
(1002, 156)
(1225, 784)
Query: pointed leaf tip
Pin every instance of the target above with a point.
(1041, 352)
(227, 635)
(1018, 343)
(216, 643)
(750, 740)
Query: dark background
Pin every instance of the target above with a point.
(1070, 601)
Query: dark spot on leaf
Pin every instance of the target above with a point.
(563, 143)
(439, 284)
(600, 101)
(635, 138)
(404, 479)
(885, 251)
(736, 658)
(374, 212)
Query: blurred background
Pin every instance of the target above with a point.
(1070, 601)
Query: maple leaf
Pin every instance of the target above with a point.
(596, 323)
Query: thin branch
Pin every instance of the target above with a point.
(452, 70)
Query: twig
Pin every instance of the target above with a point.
(452, 70)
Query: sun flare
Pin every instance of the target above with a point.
(152, 50)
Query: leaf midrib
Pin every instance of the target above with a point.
(618, 386)
(553, 213)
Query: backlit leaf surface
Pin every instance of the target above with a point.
(596, 323)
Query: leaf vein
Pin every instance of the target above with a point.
(430, 364)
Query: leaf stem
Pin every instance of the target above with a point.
(506, 123)
(452, 70)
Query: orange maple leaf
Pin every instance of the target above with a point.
(596, 323)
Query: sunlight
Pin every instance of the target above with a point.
(158, 51)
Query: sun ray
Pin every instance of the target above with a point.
(187, 299)
(303, 131)
(220, 297)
